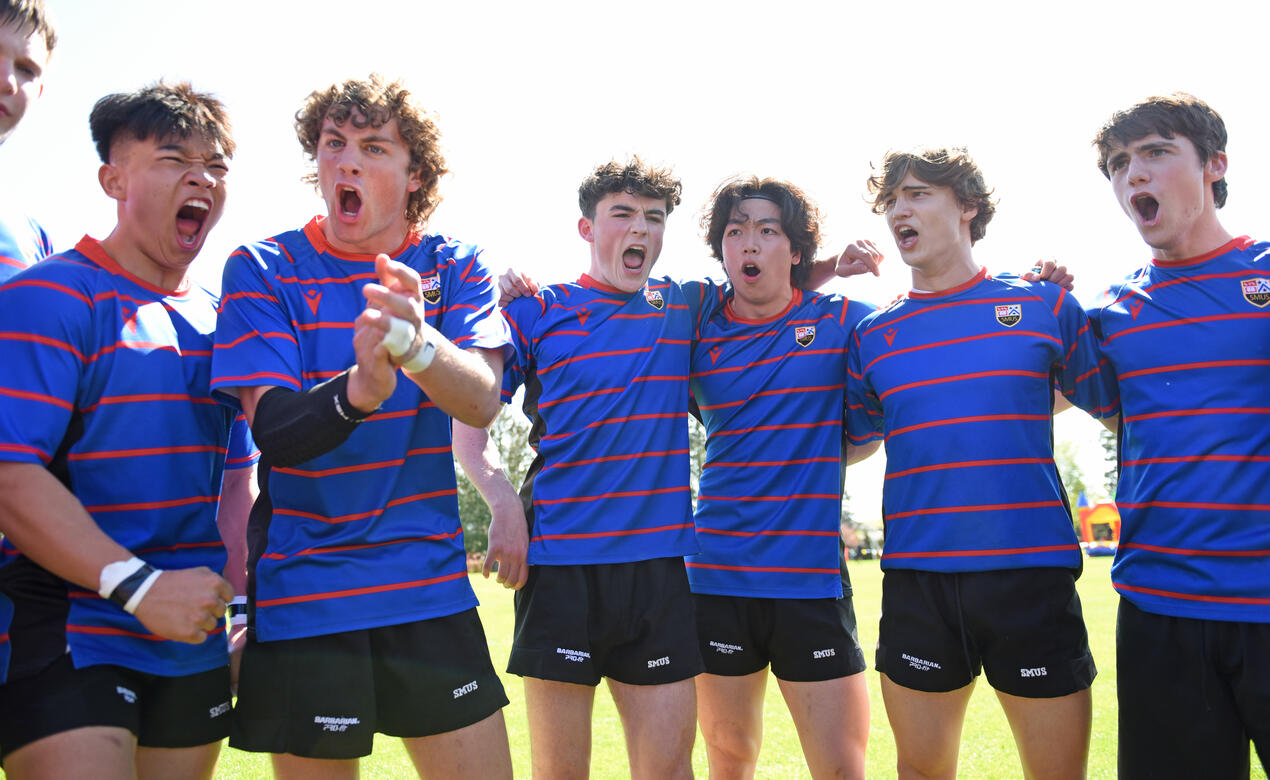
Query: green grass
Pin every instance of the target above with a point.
(987, 747)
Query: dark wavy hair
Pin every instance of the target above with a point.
(374, 102)
(160, 111)
(944, 167)
(32, 15)
(800, 219)
(1167, 116)
(632, 175)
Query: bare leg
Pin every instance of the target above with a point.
(99, 752)
(832, 717)
(477, 751)
(927, 728)
(660, 724)
(289, 767)
(559, 728)
(730, 711)
(1052, 734)
(193, 763)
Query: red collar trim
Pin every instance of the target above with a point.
(1243, 242)
(313, 232)
(919, 295)
(91, 248)
(591, 283)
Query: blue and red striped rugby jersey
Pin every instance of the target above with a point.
(23, 243)
(1190, 345)
(606, 390)
(960, 384)
(105, 381)
(368, 534)
(771, 395)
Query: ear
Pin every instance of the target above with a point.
(797, 257)
(968, 213)
(413, 182)
(112, 182)
(1215, 168)
(586, 230)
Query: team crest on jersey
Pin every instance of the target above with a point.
(1009, 314)
(654, 298)
(1256, 291)
(431, 288)
(804, 334)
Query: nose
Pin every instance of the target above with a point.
(639, 223)
(201, 176)
(1137, 173)
(8, 79)
(901, 207)
(350, 164)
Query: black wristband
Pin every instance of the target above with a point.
(126, 589)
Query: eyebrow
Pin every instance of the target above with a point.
(181, 149)
(621, 207)
(762, 221)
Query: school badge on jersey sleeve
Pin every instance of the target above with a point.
(431, 288)
(654, 298)
(804, 334)
(1009, 314)
(1256, 291)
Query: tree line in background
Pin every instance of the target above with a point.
(511, 428)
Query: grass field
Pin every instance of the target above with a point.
(987, 747)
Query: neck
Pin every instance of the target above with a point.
(132, 259)
(1202, 239)
(945, 272)
(762, 310)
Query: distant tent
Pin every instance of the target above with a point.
(1099, 524)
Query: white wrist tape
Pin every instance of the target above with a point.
(135, 601)
(400, 336)
(420, 359)
(114, 573)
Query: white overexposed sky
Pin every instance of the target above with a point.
(531, 96)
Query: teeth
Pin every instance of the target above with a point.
(197, 204)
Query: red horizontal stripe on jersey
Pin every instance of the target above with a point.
(1199, 459)
(377, 416)
(615, 494)
(363, 515)
(383, 464)
(327, 325)
(322, 374)
(611, 458)
(761, 569)
(1200, 553)
(750, 534)
(4, 638)
(108, 631)
(175, 502)
(888, 322)
(49, 286)
(144, 451)
(1196, 412)
(1194, 505)
(962, 553)
(968, 464)
(962, 378)
(27, 450)
(1192, 366)
(32, 338)
(792, 353)
(254, 379)
(567, 333)
(369, 276)
(350, 547)
(1184, 280)
(254, 334)
(183, 546)
(12, 263)
(974, 419)
(1188, 321)
(764, 463)
(757, 428)
(1192, 596)
(128, 399)
(767, 393)
(593, 356)
(248, 294)
(339, 594)
(42, 398)
(616, 420)
(608, 390)
(941, 510)
(747, 337)
(962, 340)
(602, 534)
(791, 497)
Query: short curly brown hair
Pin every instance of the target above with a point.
(379, 101)
(800, 219)
(633, 176)
(946, 167)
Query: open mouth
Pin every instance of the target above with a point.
(190, 219)
(905, 237)
(350, 201)
(750, 270)
(633, 258)
(1148, 208)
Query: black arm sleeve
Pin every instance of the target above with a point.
(291, 428)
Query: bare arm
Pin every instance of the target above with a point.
(50, 526)
(858, 452)
(508, 529)
(238, 492)
(859, 257)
